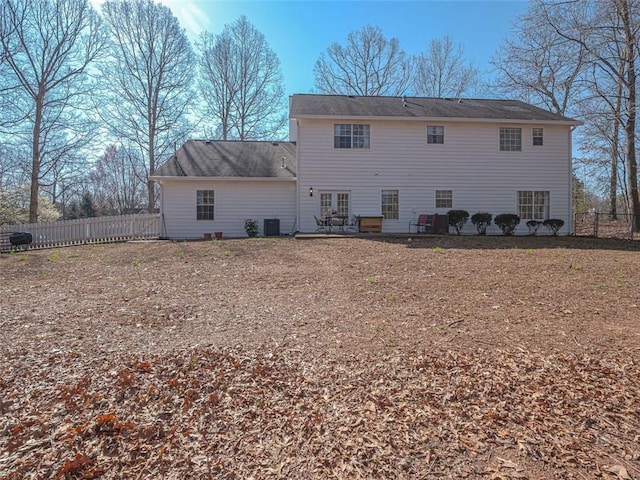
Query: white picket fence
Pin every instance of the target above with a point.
(85, 230)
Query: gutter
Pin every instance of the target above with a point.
(574, 123)
(160, 178)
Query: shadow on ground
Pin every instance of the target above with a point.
(500, 242)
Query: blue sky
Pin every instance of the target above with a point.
(299, 31)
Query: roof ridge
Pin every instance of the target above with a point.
(449, 97)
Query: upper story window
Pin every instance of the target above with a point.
(435, 134)
(347, 135)
(204, 204)
(510, 139)
(537, 136)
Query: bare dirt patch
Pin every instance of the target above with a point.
(437, 357)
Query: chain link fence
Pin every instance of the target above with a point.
(603, 225)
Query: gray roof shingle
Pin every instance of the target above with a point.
(324, 106)
(220, 158)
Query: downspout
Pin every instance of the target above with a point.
(571, 212)
(163, 227)
(298, 192)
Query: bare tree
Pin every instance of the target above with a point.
(538, 65)
(443, 71)
(149, 79)
(368, 64)
(13, 167)
(241, 83)
(116, 183)
(8, 84)
(609, 33)
(602, 133)
(48, 46)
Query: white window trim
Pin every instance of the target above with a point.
(351, 147)
(500, 143)
(397, 191)
(213, 205)
(547, 209)
(435, 197)
(533, 137)
(326, 210)
(436, 135)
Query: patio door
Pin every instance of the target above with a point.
(334, 202)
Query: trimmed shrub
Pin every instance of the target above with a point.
(533, 226)
(457, 219)
(251, 227)
(553, 225)
(481, 220)
(507, 222)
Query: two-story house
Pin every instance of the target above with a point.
(394, 157)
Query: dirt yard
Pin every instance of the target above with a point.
(448, 357)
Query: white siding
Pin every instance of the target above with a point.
(470, 163)
(293, 130)
(235, 201)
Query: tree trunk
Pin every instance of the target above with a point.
(630, 127)
(150, 183)
(613, 183)
(151, 130)
(35, 161)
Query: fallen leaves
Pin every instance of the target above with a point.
(619, 470)
(101, 373)
(271, 414)
(80, 466)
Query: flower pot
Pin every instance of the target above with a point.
(207, 236)
(218, 235)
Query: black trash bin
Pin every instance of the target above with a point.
(271, 227)
(20, 238)
(442, 224)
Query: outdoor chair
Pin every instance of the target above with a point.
(339, 222)
(320, 224)
(424, 224)
(422, 219)
(353, 225)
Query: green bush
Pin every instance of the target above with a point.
(251, 227)
(553, 225)
(507, 222)
(457, 219)
(533, 226)
(481, 220)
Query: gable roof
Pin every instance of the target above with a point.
(348, 106)
(227, 158)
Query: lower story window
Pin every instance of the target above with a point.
(390, 204)
(533, 204)
(444, 198)
(204, 204)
